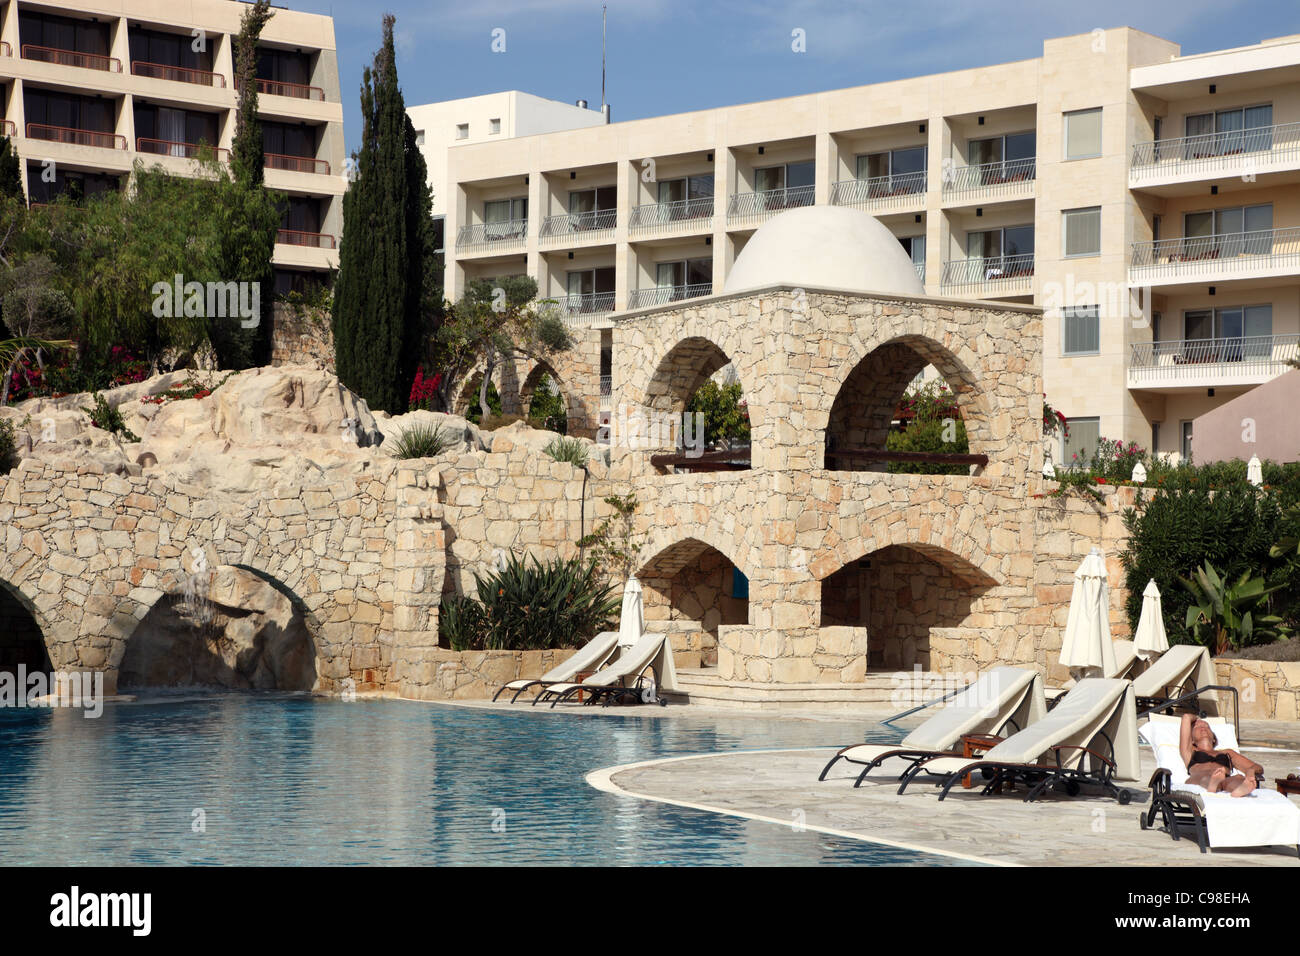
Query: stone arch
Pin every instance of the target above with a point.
(900, 593)
(689, 587)
(533, 379)
(872, 382)
(23, 635)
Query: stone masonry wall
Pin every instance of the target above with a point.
(301, 336)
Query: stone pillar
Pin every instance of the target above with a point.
(417, 555)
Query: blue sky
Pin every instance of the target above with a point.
(668, 56)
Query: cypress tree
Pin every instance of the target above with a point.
(380, 292)
(11, 174)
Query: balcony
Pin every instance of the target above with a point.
(757, 206)
(662, 295)
(296, 237)
(7, 128)
(595, 224)
(881, 193)
(986, 182)
(177, 74)
(606, 392)
(1243, 152)
(670, 218)
(296, 90)
(990, 276)
(75, 137)
(920, 270)
(1206, 363)
(5, 48)
(585, 309)
(87, 61)
(297, 164)
(505, 236)
(1262, 254)
(165, 147)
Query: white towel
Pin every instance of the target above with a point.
(1264, 818)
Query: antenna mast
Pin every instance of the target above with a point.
(603, 7)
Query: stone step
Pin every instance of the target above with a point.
(704, 687)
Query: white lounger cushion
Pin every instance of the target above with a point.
(592, 654)
(1264, 818)
(1173, 668)
(1092, 705)
(998, 695)
(629, 663)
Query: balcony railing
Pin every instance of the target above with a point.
(76, 137)
(880, 192)
(585, 308)
(661, 295)
(1256, 356)
(177, 74)
(668, 216)
(165, 147)
(297, 90)
(297, 164)
(1236, 151)
(1208, 256)
(7, 128)
(920, 270)
(296, 237)
(488, 235)
(768, 202)
(89, 61)
(995, 271)
(1006, 178)
(583, 225)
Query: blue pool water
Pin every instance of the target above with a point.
(285, 779)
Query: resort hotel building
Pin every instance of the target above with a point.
(1149, 202)
(88, 88)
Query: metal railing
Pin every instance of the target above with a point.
(297, 164)
(1254, 354)
(297, 90)
(1008, 176)
(920, 270)
(585, 305)
(76, 137)
(178, 74)
(660, 295)
(606, 386)
(769, 202)
(296, 237)
(662, 216)
(8, 128)
(1208, 151)
(879, 191)
(1208, 255)
(88, 61)
(166, 147)
(581, 224)
(507, 232)
(991, 270)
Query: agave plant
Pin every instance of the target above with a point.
(1227, 615)
(531, 605)
(567, 449)
(421, 441)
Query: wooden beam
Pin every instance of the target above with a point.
(917, 457)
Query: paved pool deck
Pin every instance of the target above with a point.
(781, 787)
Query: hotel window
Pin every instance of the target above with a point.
(596, 206)
(787, 176)
(915, 248)
(506, 218)
(588, 282)
(1083, 134)
(494, 127)
(1078, 447)
(1155, 438)
(1008, 158)
(1228, 131)
(1080, 331)
(1186, 448)
(1009, 251)
(1081, 229)
(901, 171)
(684, 273)
(1236, 231)
(462, 130)
(419, 137)
(1228, 334)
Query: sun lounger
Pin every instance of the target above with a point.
(1126, 659)
(1003, 698)
(1219, 820)
(592, 656)
(1183, 669)
(653, 652)
(1090, 737)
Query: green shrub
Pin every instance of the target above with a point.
(531, 606)
(109, 418)
(568, 449)
(8, 447)
(725, 413)
(546, 410)
(420, 441)
(1227, 615)
(935, 426)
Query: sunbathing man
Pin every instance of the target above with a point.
(1211, 768)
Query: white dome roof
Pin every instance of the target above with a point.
(828, 247)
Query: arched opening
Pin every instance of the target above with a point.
(893, 414)
(692, 589)
(22, 645)
(698, 415)
(545, 400)
(900, 593)
(230, 627)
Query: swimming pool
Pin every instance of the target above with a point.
(281, 779)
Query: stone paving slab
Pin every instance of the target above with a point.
(782, 787)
